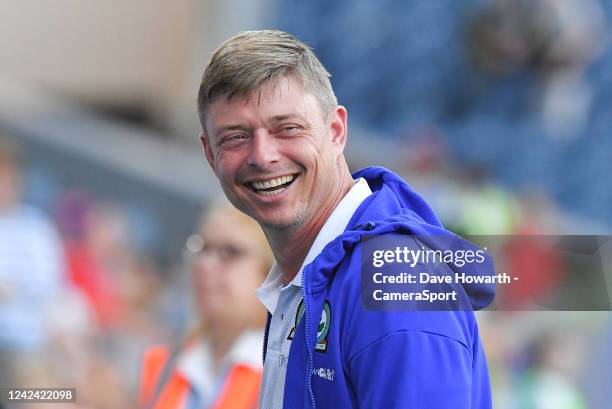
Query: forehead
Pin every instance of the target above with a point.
(223, 226)
(285, 96)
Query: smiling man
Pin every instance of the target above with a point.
(274, 135)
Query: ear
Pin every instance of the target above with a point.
(208, 153)
(339, 127)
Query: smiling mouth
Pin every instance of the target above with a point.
(272, 187)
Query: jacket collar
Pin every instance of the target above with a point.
(392, 207)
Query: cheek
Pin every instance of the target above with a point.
(318, 154)
(227, 166)
(199, 269)
(202, 287)
(245, 280)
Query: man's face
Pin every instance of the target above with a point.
(275, 154)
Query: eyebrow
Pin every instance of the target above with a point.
(280, 118)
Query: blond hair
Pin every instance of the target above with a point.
(246, 61)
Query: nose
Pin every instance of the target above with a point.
(205, 270)
(264, 149)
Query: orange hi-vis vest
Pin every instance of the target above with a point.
(240, 389)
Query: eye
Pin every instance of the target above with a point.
(229, 253)
(232, 140)
(226, 253)
(289, 130)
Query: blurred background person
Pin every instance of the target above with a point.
(218, 363)
(32, 274)
(552, 362)
(119, 288)
(543, 50)
(98, 254)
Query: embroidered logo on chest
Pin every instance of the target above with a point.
(322, 329)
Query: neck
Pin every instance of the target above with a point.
(291, 246)
(222, 337)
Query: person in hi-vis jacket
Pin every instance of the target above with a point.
(219, 363)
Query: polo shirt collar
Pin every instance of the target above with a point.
(270, 290)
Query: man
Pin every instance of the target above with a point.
(274, 136)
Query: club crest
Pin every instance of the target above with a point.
(322, 329)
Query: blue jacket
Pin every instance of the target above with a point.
(383, 359)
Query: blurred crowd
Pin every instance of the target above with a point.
(80, 304)
(77, 303)
(518, 88)
(502, 111)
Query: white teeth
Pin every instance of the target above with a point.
(272, 192)
(267, 184)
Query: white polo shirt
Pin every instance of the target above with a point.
(282, 300)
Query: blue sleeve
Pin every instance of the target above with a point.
(413, 369)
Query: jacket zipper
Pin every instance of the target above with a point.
(306, 332)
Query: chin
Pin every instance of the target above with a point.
(281, 223)
(280, 216)
(276, 225)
